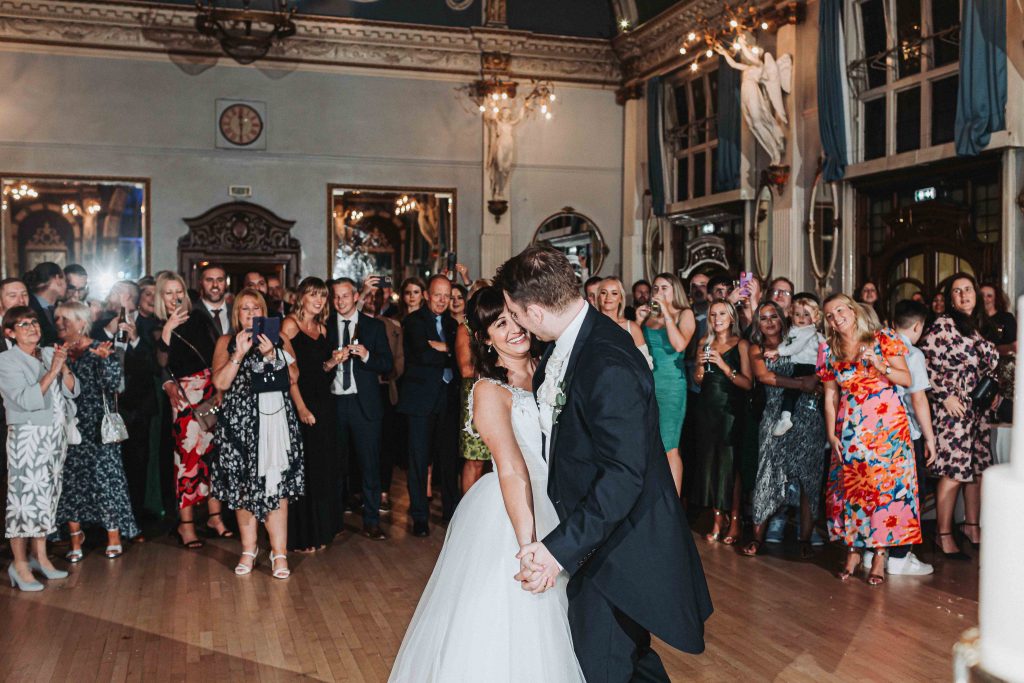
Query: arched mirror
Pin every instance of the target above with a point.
(761, 235)
(577, 237)
(823, 232)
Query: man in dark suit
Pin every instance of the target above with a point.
(362, 355)
(211, 304)
(623, 537)
(137, 404)
(430, 369)
(47, 286)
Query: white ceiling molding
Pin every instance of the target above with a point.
(63, 25)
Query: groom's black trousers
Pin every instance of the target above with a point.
(611, 647)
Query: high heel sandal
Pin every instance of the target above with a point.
(968, 538)
(113, 551)
(958, 555)
(227, 533)
(51, 574)
(844, 574)
(77, 555)
(730, 539)
(881, 555)
(191, 545)
(752, 549)
(712, 537)
(282, 573)
(243, 569)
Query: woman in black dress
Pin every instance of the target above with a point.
(314, 518)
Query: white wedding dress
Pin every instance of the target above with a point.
(474, 622)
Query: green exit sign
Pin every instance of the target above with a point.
(925, 194)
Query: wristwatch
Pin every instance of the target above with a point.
(732, 375)
(888, 369)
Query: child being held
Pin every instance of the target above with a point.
(801, 347)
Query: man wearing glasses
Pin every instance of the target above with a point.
(78, 283)
(781, 292)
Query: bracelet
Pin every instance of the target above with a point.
(732, 375)
(235, 362)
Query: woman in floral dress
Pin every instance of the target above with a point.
(958, 357)
(259, 464)
(872, 484)
(95, 487)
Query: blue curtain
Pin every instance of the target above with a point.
(727, 155)
(981, 100)
(831, 106)
(655, 176)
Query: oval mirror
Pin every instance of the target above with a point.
(823, 231)
(577, 237)
(762, 233)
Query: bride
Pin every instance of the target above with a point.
(474, 622)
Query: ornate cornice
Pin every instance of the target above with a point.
(321, 41)
(654, 46)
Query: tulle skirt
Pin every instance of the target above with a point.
(474, 622)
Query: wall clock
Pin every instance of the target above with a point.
(241, 124)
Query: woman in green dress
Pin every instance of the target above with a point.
(668, 325)
(723, 375)
(471, 446)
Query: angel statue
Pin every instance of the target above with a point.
(501, 147)
(764, 81)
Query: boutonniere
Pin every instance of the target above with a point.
(559, 403)
(553, 396)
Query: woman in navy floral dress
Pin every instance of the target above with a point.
(95, 488)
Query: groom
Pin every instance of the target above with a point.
(623, 537)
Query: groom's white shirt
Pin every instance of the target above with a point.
(554, 371)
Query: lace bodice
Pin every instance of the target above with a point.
(525, 425)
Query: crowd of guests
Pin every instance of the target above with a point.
(291, 409)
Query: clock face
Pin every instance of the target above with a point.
(240, 124)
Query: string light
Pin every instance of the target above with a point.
(691, 36)
(764, 25)
(693, 66)
(682, 50)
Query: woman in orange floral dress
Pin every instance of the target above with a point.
(872, 484)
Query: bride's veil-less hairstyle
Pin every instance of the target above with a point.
(539, 275)
(482, 309)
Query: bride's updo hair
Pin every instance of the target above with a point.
(482, 309)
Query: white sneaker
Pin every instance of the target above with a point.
(908, 566)
(783, 425)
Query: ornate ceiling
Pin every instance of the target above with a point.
(580, 18)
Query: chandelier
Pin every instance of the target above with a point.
(405, 204)
(244, 34)
(493, 94)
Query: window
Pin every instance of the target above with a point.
(692, 132)
(904, 74)
(987, 221)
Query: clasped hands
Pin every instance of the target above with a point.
(538, 568)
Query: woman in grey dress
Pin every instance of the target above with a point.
(37, 386)
(796, 457)
(95, 489)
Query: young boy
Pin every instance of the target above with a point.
(909, 322)
(801, 347)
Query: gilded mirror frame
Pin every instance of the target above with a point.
(598, 245)
(333, 238)
(9, 241)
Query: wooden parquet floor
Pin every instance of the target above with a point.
(161, 613)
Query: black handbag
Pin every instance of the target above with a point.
(271, 375)
(984, 392)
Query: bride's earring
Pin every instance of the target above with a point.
(490, 348)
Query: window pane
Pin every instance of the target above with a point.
(873, 132)
(986, 210)
(683, 179)
(873, 22)
(908, 37)
(699, 174)
(945, 15)
(944, 109)
(700, 109)
(908, 120)
(682, 115)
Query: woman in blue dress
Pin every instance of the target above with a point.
(668, 325)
